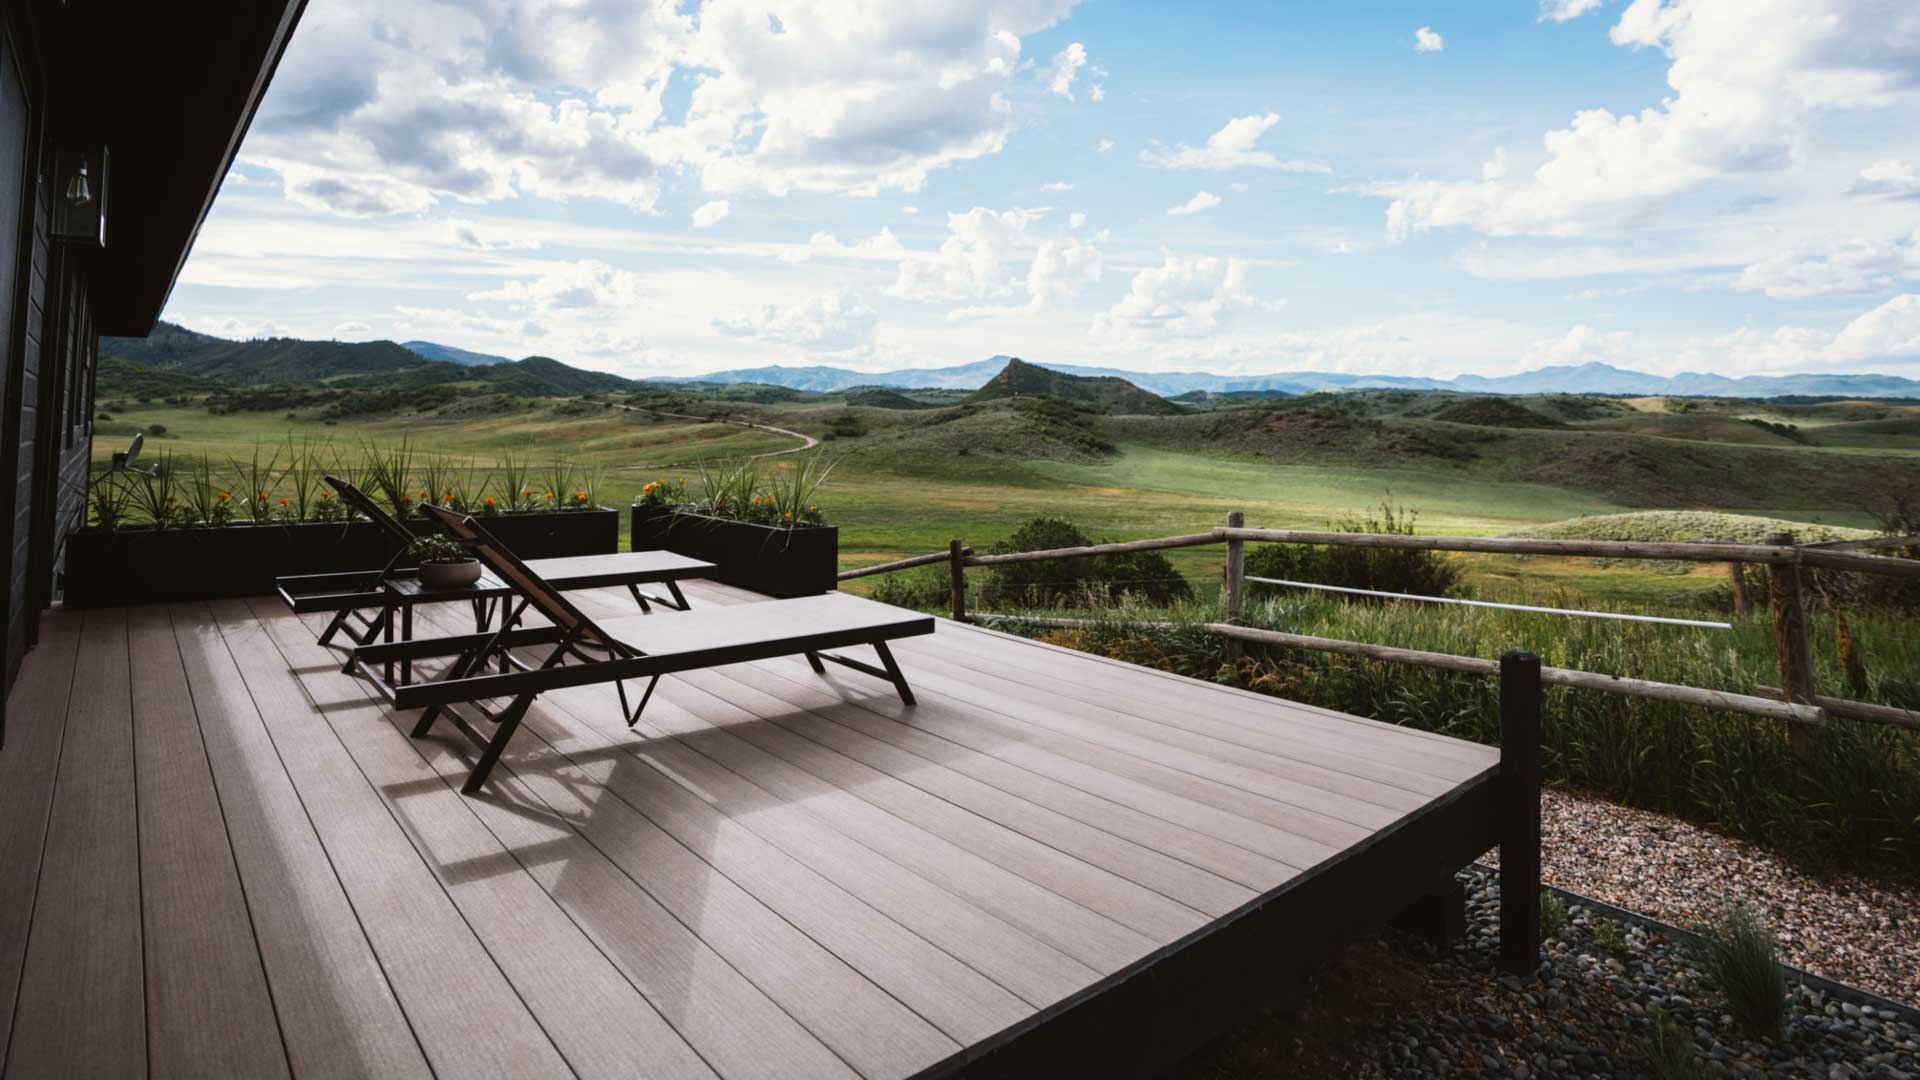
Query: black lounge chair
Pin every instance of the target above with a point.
(585, 653)
(350, 595)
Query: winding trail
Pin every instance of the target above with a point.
(807, 442)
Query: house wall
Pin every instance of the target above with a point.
(46, 331)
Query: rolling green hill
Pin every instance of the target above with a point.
(116, 379)
(880, 397)
(377, 366)
(1104, 393)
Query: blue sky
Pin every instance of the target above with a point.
(669, 188)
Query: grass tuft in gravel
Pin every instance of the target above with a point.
(1553, 914)
(1669, 1047)
(1740, 955)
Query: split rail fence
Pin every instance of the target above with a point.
(1793, 701)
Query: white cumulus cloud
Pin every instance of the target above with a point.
(1425, 40)
(1233, 146)
(1564, 10)
(1741, 104)
(1852, 266)
(1066, 66)
(1185, 296)
(1204, 200)
(711, 214)
(830, 322)
(1893, 177)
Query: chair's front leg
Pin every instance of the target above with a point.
(509, 723)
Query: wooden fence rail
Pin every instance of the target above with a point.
(1794, 701)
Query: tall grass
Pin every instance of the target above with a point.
(1854, 805)
(792, 491)
(1739, 954)
(285, 484)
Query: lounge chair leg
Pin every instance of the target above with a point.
(339, 621)
(461, 665)
(509, 723)
(818, 667)
(644, 698)
(893, 672)
(639, 598)
(679, 598)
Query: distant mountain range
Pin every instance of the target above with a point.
(388, 365)
(346, 365)
(1590, 378)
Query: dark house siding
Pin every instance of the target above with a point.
(23, 282)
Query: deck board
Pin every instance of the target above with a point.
(84, 954)
(775, 873)
(466, 1015)
(38, 721)
(208, 1009)
(337, 1011)
(595, 1017)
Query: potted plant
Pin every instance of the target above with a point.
(444, 564)
(765, 532)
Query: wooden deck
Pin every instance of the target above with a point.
(221, 856)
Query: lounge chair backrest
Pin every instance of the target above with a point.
(543, 597)
(359, 501)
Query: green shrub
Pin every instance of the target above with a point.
(1739, 954)
(1090, 581)
(1420, 573)
(924, 588)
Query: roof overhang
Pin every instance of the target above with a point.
(169, 89)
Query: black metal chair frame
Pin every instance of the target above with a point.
(582, 654)
(349, 595)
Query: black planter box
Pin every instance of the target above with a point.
(105, 568)
(773, 562)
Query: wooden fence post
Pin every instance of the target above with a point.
(1794, 650)
(1236, 581)
(1518, 809)
(957, 563)
(1737, 577)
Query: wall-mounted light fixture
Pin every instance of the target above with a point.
(78, 191)
(80, 205)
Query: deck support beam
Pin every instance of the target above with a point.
(1519, 814)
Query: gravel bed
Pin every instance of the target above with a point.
(1397, 1008)
(1849, 930)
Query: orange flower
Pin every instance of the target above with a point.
(283, 502)
(326, 494)
(424, 495)
(788, 515)
(449, 497)
(549, 494)
(224, 496)
(489, 500)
